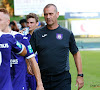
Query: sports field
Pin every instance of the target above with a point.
(91, 70)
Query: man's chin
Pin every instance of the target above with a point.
(50, 24)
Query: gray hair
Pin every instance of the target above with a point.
(48, 5)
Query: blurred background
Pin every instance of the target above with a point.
(82, 17)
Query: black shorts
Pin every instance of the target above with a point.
(60, 81)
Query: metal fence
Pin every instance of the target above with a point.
(62, 23)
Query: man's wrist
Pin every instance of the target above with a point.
(39, 83)
(81, 75)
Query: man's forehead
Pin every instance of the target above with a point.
(4, 15)
(50, 7)
(31, 21)
(49, 11)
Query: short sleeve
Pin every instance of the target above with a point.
(72, 44)
(17, 46)
(24, 40)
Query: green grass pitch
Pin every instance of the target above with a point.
(91, 70)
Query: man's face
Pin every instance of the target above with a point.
(32, 24)
(51, 15)
(4, 21)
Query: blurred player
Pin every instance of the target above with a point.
(32, 24)
(23, 23)
(18, 63)
(19, 77)
(7, 43)
(14, 25)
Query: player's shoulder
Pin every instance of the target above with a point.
(8, 38)
(18, 35)
(14, 33)
(6, 35)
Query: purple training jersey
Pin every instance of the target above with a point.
(18, 63)
(7, 43)
(30, 80)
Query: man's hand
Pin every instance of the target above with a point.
(21, 31)
(79, 82)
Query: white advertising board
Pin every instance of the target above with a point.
(24, 7)
(85, 27)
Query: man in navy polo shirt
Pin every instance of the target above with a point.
(53, 43)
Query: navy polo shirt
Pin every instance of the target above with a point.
(53, 48)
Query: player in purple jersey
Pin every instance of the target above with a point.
(7, 43)
(19, 81)
(4, 26)
(32, 24)
(18, 63)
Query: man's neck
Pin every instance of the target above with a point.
(31, 32)
(52, 27)
(7, 30)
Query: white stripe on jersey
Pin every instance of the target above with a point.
(32, 55)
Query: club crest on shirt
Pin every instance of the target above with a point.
(59, 36)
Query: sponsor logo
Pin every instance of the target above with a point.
(4, 45)
(19, 45)
(13, 61)
(30, 49)
(44, 35)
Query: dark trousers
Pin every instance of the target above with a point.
(60, 81)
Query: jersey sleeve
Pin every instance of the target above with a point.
(17, 47)
(30, 52)
(72, 44)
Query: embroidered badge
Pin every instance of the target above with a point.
(59, 36)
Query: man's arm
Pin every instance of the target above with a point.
(24, 52)
(78, 63)
(29, 69)
(36, 71)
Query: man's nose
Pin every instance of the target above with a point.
(48, 16)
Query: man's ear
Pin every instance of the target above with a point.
(8, 22)
(57, 14)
